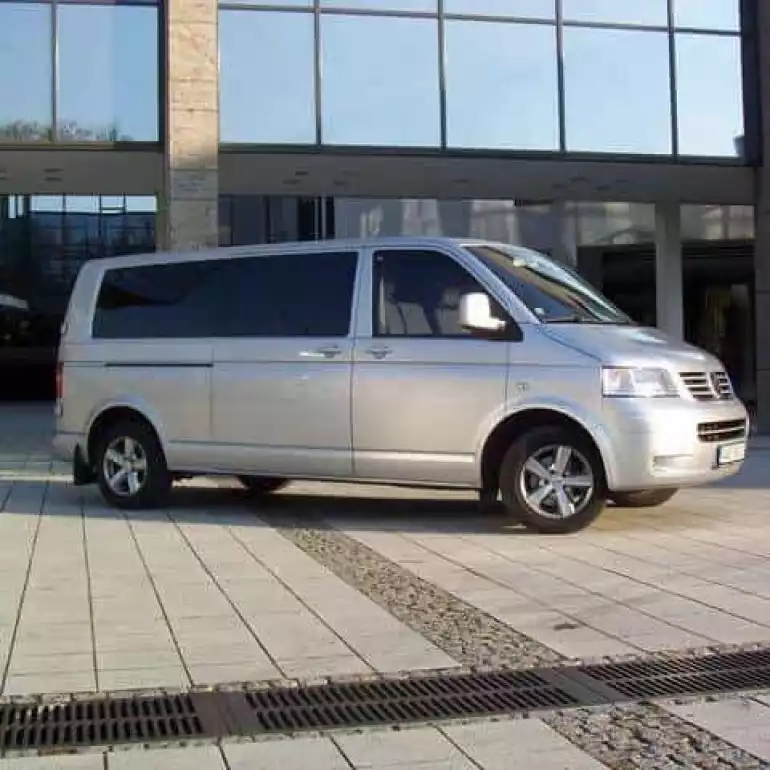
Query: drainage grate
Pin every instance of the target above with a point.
(403, 701)
(61, 726)
(98, 722)
(727, 672)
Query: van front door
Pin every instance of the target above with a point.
(423, 387)
(282, 365)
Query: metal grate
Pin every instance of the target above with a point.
(98, 722)
(729, 672)
(60, 727)
(708, 386)
(725, 430)
(404, 701)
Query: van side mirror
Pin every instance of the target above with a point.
(476, 314)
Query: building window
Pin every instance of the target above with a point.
(645, 12)
(267, 77)
(26, 75)
(708, 14)
(96, 81)
(617, 91)
(380, 81)
(407, 6)
(709, 95)
(512, 75)
(522, 9)
(108, 73)
(501, 86)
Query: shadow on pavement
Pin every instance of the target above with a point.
(229, 505)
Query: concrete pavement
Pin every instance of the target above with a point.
(328, 580)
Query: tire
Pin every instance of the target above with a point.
(262, 485)
(152, 480)
(518, 482)
(644, 498)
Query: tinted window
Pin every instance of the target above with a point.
(166, 301)
(298, 295)
(417, 294)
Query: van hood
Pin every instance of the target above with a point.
(632, 346)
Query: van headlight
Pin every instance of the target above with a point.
(620, 382)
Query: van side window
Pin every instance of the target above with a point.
(417, 294)
(289, 295)
(159, 301)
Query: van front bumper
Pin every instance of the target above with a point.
(672, 443)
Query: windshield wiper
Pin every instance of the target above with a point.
(574, 318)
(567, 319)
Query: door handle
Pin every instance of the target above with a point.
(379, 352)
(330, 351)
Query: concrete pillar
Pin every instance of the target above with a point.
(668, 269)
(762, 215)
(188, 205)
(565, 247)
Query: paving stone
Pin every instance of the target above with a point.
(135, 658)
(492, 744)
(142, 678)
(224, 673)
(324, 665)
(297, 754)
(44, 683)
(385, 748)
(741, 721)
(23, 664)
(86, 761)
(190, 758)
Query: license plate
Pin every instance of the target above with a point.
(731, 453)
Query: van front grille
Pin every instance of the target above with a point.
(726, 430)
(708, 386)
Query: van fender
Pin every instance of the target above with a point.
(590, 422)
(135, 403)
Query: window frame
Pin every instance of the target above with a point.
(512, 332)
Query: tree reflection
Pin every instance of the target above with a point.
(66, 131)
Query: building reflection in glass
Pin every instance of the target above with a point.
(44, 240)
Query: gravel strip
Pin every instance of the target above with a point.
(622, 737)
(465, 633)
(644, 736)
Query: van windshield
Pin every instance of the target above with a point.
(553, 292)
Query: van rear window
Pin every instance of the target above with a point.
(286, 295)
(153, 301)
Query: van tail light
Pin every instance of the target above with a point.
(59, 381)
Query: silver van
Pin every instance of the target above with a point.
(433, 362)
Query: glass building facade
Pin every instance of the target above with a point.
(571, 126)
(583, 76)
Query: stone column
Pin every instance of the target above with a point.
(668, 269)
(187, 208)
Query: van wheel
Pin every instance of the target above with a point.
(131, 467)
(643, 498)
(552, 481)
(262, 485)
